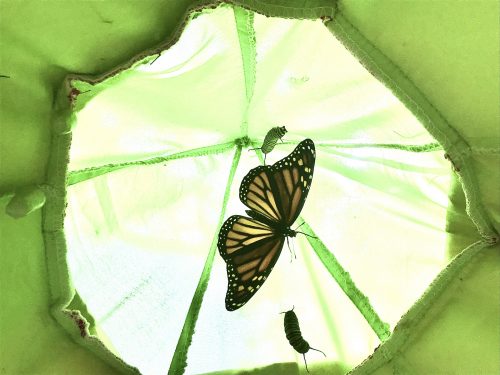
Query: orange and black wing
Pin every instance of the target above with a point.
(250, 249)
(279, 191)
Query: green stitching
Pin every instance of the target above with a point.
(347, 285)
(244, 20)
(179, 360)
(88, 173)
(402, 86)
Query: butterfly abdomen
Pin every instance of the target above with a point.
(293, 334)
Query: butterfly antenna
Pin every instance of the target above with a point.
(284, 312)
(300, 225)
(265, 155)
(317, 351)
(304, 355)
(308, 235)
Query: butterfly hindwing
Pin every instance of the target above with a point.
(250, 249)
(280, 190)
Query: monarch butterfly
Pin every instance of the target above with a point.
(250, 246)
(294, 336)
(271, 139)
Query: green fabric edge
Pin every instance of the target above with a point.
(458, 151)
(244, 20)
(77, 304)
(428, 147)
(312, 9)
(81, 175)
(179, 360)
(402, 331)
(345, 282)
(60, 286)
(85, 174)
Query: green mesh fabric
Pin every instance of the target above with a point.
(145, 164)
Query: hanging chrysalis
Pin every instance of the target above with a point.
(294, 336)
(271, 139)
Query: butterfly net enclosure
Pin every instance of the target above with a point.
(395, 265)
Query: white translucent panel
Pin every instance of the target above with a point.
(192, 96)
(138, 238)
(307, 81)
(137, 242)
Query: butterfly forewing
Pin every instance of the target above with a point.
(250, 249)
(280, 190)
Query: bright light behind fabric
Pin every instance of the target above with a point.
(140, 223)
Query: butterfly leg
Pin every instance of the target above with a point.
(308, 235)
(288, 244)
(292, 251)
